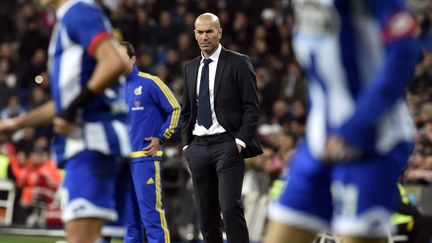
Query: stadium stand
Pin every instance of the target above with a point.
(162, 31)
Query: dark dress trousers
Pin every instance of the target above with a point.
(216, 166)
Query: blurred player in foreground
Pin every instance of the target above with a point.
(359, 55)
(88, 115)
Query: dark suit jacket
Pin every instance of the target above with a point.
(235, 100)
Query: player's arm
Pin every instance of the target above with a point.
(110, 65)
(165, 100)
(401, 52)
(92, 33)
(168, 103)
(40, 116)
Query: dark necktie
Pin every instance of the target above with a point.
(204, 110)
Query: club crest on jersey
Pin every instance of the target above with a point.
(137, 106)
(138, 90)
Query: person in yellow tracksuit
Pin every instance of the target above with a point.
(153, 118)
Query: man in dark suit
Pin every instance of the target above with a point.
(219, 118)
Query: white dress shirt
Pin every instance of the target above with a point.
(216, 127)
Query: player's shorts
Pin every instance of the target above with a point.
(356, 197)
(89, 186)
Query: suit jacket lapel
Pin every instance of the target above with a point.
(193, 79)
(219, 71)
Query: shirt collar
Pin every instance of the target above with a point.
(133, 73)
(214, 56)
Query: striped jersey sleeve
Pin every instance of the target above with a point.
(163, 96)
(90, 30)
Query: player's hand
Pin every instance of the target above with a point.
(8, 126)
(62, 127)
(153, 146)
(338, 151)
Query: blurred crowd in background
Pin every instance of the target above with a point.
(162, 33)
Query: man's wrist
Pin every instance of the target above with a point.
(83, 98)
(161, 140)
(241, 143)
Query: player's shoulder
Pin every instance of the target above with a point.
(80, 9)
(146, 76)
(149, 79)
(86, 5)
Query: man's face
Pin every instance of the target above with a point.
(123, 51)
(207, 35)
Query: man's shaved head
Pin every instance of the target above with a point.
(209, 18)
(208, 33)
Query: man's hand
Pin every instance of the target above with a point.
(337, 151)
(153, 147)
(239, 148)
(62, 127)
(8, 126)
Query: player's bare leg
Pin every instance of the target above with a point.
(282, 233)
(356, 239)
(86, 230)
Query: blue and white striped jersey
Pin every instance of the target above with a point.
(359, 55)
(81, 26)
